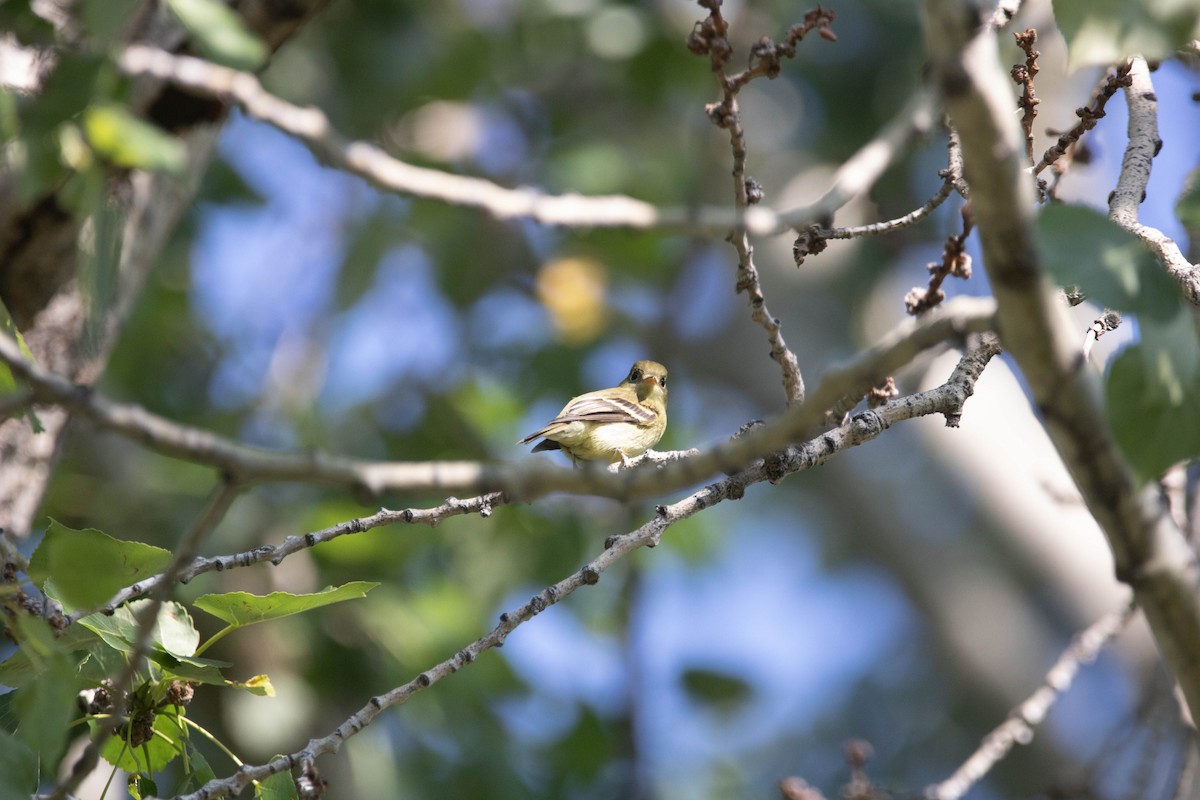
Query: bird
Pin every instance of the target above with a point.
(610, 425)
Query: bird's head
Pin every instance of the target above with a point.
(648, 378)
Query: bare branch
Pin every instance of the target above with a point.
(381, 170)
(1123, 203)
(1022, 720)
(710, 38)
(1088, 115)
(1023, 75)
(453, 507)
(891, 225)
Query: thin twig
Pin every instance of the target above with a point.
(710, 38)
(275, 554)
(892, 225)
(1088, 115)
(1022, 720)
(1144, 145)
(1023, 75)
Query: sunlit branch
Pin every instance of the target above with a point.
(525, 480)
(313, 128)
(1022, 720)
(1123, 203)
(947, 399)
(1149, 550)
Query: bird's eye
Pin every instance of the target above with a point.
(663, 381)
(635, 375)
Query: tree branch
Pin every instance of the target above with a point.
(1019, 727)
(1123, 203)
(531, 478)
(1149, 550)
(453, 507)
(946, 399)
(311, 127)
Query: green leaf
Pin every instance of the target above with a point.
(1172, 355)
(18, 767)
(1154, 415)
(279, 786)
(141, 786)
(174, 631)
(173, 634)
(122, 139)
(220, 34)
(1082, 247)
(44, 707)
(21, 667)
(87, 567)
(201, 772)
(1107, 31)
(242, 608)
(200, 670)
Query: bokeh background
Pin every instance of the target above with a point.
(908, 593)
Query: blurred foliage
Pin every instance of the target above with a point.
(297, 308)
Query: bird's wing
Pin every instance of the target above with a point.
(597, 407)
(606, 409)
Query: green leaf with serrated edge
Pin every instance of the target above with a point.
(242, 608)
(1155, 425)
(1108, 31)
(1082, 247)
(18, 767)
(174, 631)
(87, 567)
(45, 707)
(220, 34)
(161, 749)
(126, 141)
